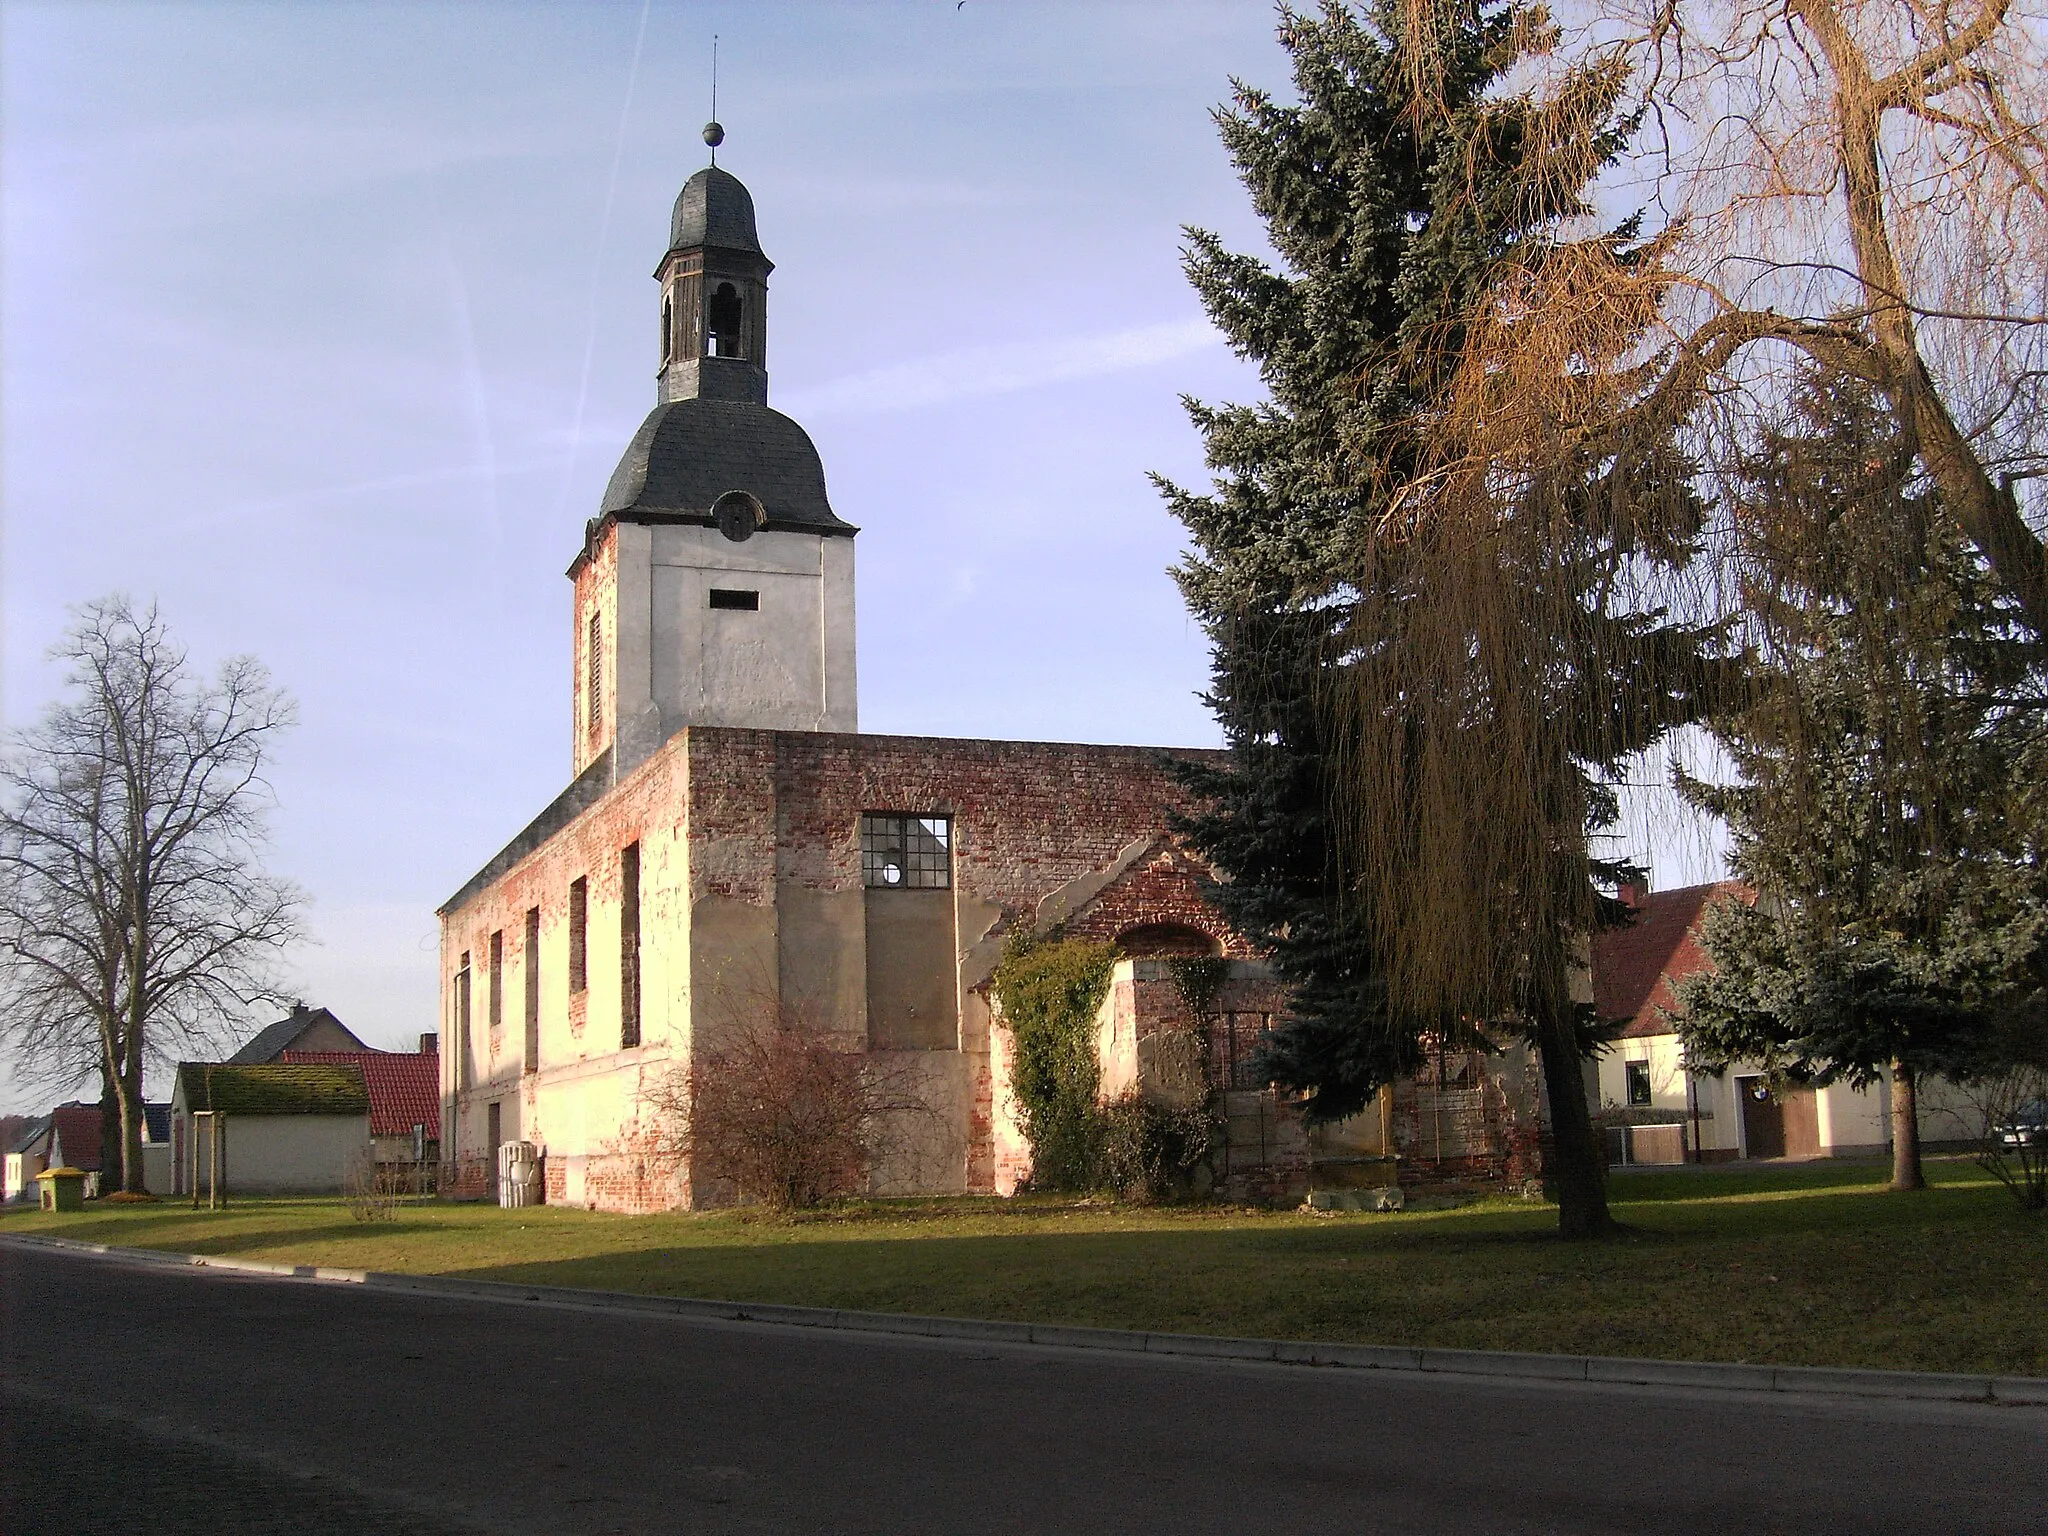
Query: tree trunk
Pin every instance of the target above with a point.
(1576, 1171)
(110, 1126)
(1906, 1171)
(132, 1118)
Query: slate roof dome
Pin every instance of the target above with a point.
(688, 453)
(716, 209)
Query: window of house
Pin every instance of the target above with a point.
(462, 1023)
(497, 987)
(629, 946)
(593, 702)
(579, 934)
(906, 852)
(529, 959)
(1638, 1074)
(737, 598)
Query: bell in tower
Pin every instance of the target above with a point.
(714, 295)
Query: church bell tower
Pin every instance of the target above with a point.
(715, 587)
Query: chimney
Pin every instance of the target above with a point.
(430, 1045)
(1633, 893)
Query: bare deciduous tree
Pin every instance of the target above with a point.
(784, 1111)
(134, 916)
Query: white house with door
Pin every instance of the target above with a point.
(1656, 1109)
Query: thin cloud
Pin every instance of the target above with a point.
(1002, 370)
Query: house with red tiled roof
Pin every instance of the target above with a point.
(1656, 1108)
(405, 1096)
(69, 1137)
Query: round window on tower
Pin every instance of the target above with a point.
(738, 515)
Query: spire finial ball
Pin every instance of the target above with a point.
(714, 135)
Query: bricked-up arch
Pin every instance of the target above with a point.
(1166, 941)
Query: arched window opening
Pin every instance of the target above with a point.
(724, 314)
(668, 328)
(1165, 941)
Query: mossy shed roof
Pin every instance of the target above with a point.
(274, 1088)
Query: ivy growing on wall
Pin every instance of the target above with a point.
(1049, 988)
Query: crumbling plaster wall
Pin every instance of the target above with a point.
(1027, 817)
(583, 1097)
(752, 899)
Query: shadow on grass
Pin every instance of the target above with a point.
(1937, 1288)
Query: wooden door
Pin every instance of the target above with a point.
(1802, 1122)
(1763, 1118)
(494, 1119)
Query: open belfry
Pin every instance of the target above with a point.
(730, 847)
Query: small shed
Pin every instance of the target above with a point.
(287, 1128)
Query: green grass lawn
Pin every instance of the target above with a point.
(1812, 1265)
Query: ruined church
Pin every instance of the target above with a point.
(730, 841)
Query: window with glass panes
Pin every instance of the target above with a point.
(908, 853)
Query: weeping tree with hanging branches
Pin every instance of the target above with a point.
(1431, 662)
(1858, 186)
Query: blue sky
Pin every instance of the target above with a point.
(325, 325)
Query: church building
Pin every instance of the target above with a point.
(731, 844)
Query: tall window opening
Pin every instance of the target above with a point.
(462, 1024)
(497, 987)
(629, 946)
(724, 313)
(529, 958)
(906, 852)
(593, 685)
(668, 328)
(579, 934)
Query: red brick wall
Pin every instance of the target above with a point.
(1028, 816)
(1165, 888)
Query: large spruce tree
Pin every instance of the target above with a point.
(1885, 802)
(1382, 631)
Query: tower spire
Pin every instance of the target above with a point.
(713, 134)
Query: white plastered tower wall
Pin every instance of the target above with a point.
(716, 585)
(778, 656)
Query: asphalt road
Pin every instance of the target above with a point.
(140, 1398)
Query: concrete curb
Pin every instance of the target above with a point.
(1614, 1370)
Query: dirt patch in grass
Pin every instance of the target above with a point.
(1809, 1266)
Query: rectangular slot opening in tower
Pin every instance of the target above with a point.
(735, 597)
